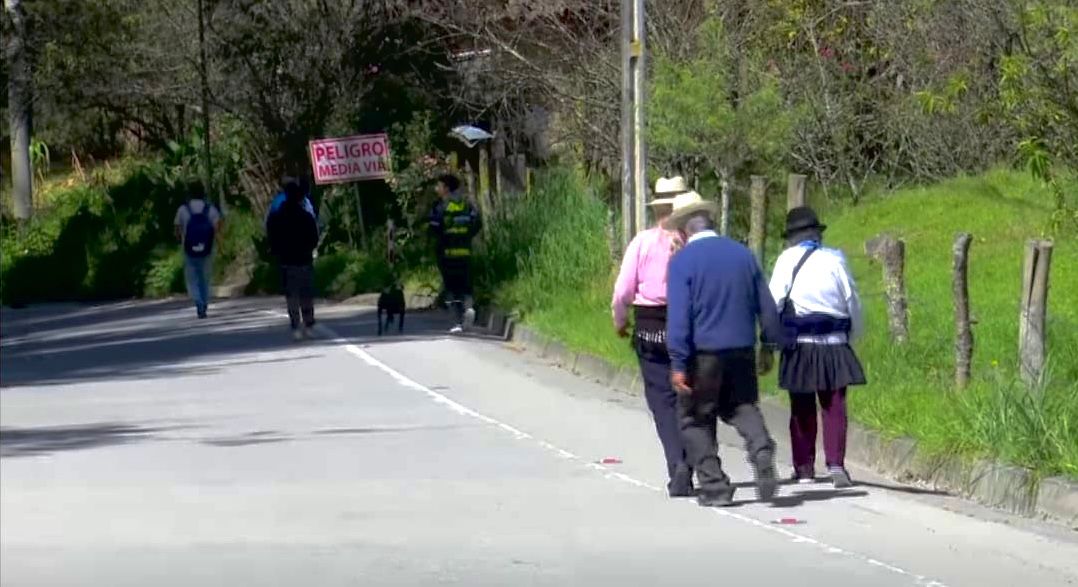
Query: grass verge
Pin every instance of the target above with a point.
(563, 272)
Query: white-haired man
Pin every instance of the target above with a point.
(715, 297)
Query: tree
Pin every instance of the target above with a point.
(1040, 93)
(20, 104)
(697, 113)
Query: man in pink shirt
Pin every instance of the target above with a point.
(642, 284)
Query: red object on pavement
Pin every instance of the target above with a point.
(610, 461)
(788, 521)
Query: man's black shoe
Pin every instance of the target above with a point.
(716, 499)
(681, 483)
(766, 483)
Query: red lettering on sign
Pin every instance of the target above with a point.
(346, 159)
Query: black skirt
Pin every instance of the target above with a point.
(808, 368)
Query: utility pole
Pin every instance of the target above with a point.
(207, 171)
(633, 152)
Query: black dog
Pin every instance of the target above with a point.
(391, 302)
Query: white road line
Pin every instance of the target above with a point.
(518, 434)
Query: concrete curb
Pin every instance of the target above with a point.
(1008, 488)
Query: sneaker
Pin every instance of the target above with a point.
(716, 499)
(297, 334)
(803, 476)
(308, 332)
(469, 318)
(201, 311)
(840, 478)
(456, 329)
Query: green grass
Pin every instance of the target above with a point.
(563, 285)
(911, 391)
(549, 258)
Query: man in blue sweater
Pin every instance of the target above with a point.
(716, 295)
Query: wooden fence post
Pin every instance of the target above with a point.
(795, 191)
(892, 253)
(1034, 306)
(520, 167)
(497, 154)
(963, 344)
(469, 180)
(484, 184)
(758, 220)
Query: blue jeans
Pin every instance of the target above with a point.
(197, 270)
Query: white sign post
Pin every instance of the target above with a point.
(349, 159)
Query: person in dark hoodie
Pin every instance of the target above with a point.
(293, 237)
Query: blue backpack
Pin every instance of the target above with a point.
(198, 235)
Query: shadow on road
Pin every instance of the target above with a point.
(19, 442)
(45, 345)
(801, 497)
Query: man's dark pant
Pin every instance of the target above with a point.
(457, 278)
(649, 342)
(662, 401)
(297, 281)
(724, 387)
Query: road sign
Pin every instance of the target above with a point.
(347, 159)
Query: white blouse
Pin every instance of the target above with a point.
(824, 285)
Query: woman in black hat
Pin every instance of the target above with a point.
(820, 309)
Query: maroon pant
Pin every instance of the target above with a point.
(803, 429)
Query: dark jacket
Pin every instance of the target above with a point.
(454, 221)
(293, 234)
(716, 295)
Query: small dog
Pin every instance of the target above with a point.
(391, 303)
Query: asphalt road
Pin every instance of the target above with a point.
(142, 447)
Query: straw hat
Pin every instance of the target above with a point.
(666, 188)
(686, 205)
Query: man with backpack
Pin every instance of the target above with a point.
(293, 237)
(197, 224)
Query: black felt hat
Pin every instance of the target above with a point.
(802, 218)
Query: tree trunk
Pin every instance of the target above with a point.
(892, 253)
(963, 345)
(1031, 332)
(20, 108)
(758, 220)
(724, 211)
